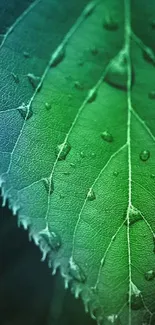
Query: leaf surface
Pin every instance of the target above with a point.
(77, 147)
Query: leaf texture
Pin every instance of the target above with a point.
(77, 147)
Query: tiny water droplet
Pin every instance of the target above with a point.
(117, 75)
(152, 23)
(89, 9)
(93, 154)
(76, 272)
(107, 136)
(136, 298)
(72, 165)
(92, 95)
(34, 80)
(144, 155)
(115, 173)
(49, 185)
(94, 50)
(47, 106)
(15, 77)
(67, 173)
(110, 23)
(152, 176)
(51, 239)
(149, 55)
(58, 56)
(91, 195)
(25, 111)
(82, 155)
(62, 150)
(152, 94)
(62, 196)
(78, 85)
(81, 62)
(26, 54)
(149, 275)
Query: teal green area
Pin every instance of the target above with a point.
(77, 147)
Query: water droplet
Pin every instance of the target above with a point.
(89, 9)
(15, 77)
(136, 298)
(51, 239)
(149, 275)
(49, 185)
(110, 23)
(152, 176)
(63, 150)
(115, 173)
(93, 154)
(149, 55)
(92, 95)
(25, 111)
(34, 80)
(82, 155)
(81, 62)
(94, 50)
(144, 155)
(117, 74)
(78, 85)
(26, 54)
(58, 56)
(107, 136)
(72, 165)
(152, 23)
(113, 319)
(134, 215)
(152, 94)
(47, 106)
(91, 195)
(76, 272)
(67, 173)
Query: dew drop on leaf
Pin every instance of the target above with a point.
(149, 275)
(91, 195)
(136, 298)
(92, 95)
(82, 155)
(25, 111)
(78, 85)
(72, 165)
(62, 150)
(153, 176)
(152, 23)
(105, 135)
(149, 55)
(117, 74)
(152, 94)
(15, 77)
(115, 173)
(51, 239)
(49, 186)
(47, 106)
(26, 54)
(94, 50)
(134, 215)
(76, 272)
(58, 56)
(144, 155)
(110, 23)
(34, 80)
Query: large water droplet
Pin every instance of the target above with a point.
(152, 94)
(91, 195)
(136, 298)
(78, 85)
(110, 23)
(92, 95)
(62, 150)
(26, 54)
(152, 176)
(149, 275)
(58, 56)
(134, 215)
(47, 106)
(49, 185)
(15, 77)
(115, 173)
(34, 80)
(25, 111)
(82, 155)
(76, 272)
(105, 135)
(117, 74)
(144, 155)
(148, 55)
(51, 239)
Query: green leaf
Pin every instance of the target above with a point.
(77, 147)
